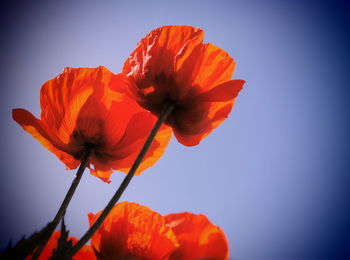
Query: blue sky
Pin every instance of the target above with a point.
(274, 175)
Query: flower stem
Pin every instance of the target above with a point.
(167, 109)
(60, 213)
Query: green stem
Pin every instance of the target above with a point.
(60, 213)
(168, 108)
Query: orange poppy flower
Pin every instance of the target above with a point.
(80, 111)
(132, 231)
(171, 64)
(85, 253)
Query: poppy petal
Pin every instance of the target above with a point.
(224, 92)
(153, 154)
(34, 127)
(61, 99)
(198, 237)
(118, 119)
(136, 128)
(152, 65)
(204, 112)
(139, 127)
(207, 67)
(88, 100)
(104, 175)
(193, 124)
(132, 230)
(157, 51)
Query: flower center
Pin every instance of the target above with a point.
(88, 134)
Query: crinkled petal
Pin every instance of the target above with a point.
(156, 52)
(198, 237)
(83, 98)
(62, 97)
(155, 60)
(131, 230)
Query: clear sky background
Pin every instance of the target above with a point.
(274, 175)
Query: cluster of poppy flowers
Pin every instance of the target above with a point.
(132, 231)
(171, 79)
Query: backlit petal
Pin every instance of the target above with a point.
(193, 124)
(119, 154)
(224, 92)
(34, 127)
(207, 67)
(155, 151)
(203, 113)
(198, 237)
(136, 134)
(157, 51)
(61, 99)
(102, 173)
(152, 65)
(134, 231)
(87, 99)
(118, 120)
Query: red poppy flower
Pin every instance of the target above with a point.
(80, 111)
(85, 253)
(132, 231)
(171, 64)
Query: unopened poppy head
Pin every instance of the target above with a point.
(80, 112)
(132, 231)
(172, 65)
(85, 253)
